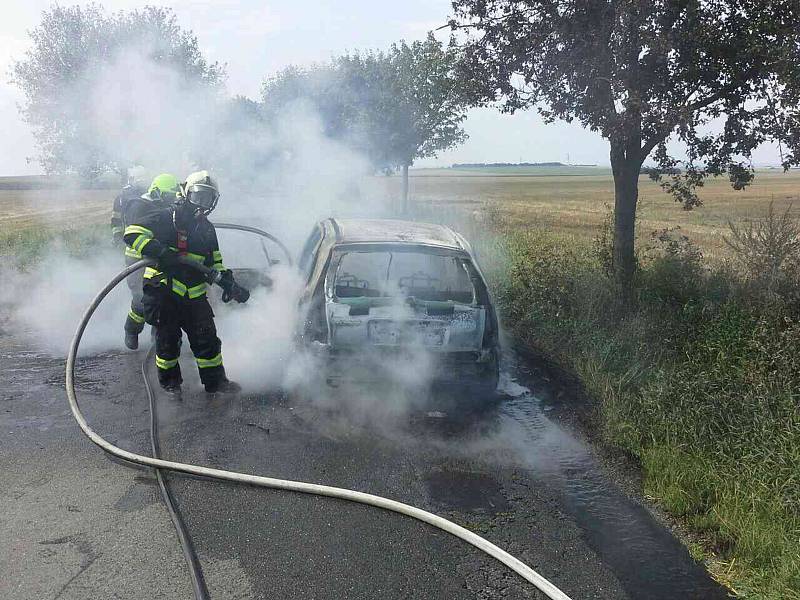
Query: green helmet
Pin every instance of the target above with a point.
(164, 187)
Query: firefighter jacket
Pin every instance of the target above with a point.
(153, 229)
(124, 205)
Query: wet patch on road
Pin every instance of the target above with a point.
(466, 491)
(646, 558)
(138, 496)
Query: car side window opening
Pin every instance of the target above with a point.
(243, 250)
(423, 276)
(305, 263)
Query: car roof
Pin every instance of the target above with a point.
(395, 231)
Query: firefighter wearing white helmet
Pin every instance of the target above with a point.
(175, 294)
(201, 192)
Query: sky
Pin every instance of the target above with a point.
(258, 38)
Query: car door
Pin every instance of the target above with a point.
(313, 264)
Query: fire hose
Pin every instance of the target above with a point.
(516, 565)
(187, 546)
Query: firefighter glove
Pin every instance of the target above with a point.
(227, 283)
(231, 289)
(236, 292)
(240, 294)
(226, 279)
(168, 258)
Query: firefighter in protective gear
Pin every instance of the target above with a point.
(130, 192)
(175, 294)
(162, 193)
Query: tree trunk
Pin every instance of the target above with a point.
(404, 195)
(626, 195)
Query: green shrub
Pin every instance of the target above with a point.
(699, 379)
(767, 251)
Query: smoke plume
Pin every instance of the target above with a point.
(281, 176)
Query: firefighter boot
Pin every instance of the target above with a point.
(173, 391)
(131, 340)
(134, 323)
(223, 386)
(170, 381)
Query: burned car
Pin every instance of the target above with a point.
(377, 290)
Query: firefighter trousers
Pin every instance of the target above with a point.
(171, 315)
(134, 322)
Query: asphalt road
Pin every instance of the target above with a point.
(75, 524)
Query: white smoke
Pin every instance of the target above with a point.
(312, 177)
(49, 300)
(139, 109)
(282, 177)
(259, 337)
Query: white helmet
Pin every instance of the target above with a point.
(201, 191)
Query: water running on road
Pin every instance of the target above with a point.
(648, 561)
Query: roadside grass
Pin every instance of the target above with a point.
(24, 247)
(32, 218)
(700, 382)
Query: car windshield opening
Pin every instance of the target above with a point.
(426, 277)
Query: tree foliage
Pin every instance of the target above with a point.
(238, 140)
(69, 46)
(719, 77)
(395, 106)
(321, 87)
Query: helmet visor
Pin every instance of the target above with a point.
(202, 196)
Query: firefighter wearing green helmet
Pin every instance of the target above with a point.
(174, 294)
(162, 193)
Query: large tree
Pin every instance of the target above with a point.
(719, 77)
(71, 47)
(395, 106)
(414, 102)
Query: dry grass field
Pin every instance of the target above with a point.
(576, 205)
(50, 209)
(572, 202)
(32, 214)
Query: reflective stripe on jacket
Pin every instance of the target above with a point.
(154, 230)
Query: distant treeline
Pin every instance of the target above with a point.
(654, 172)
(521, 164)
